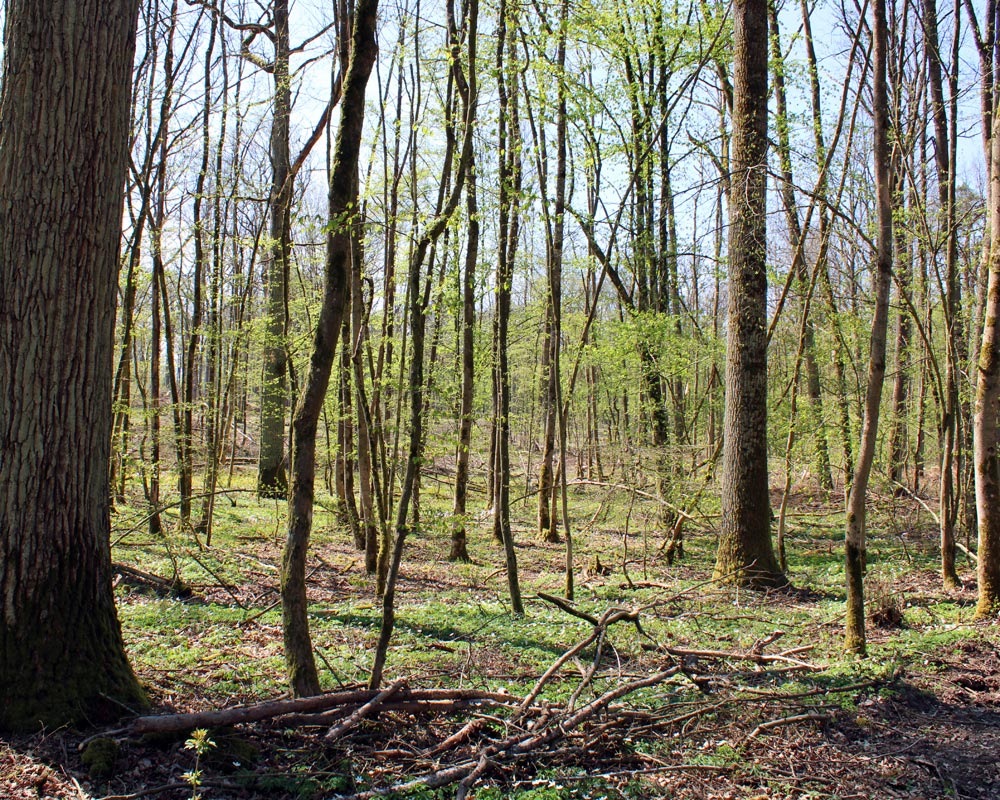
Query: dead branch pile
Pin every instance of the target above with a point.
(605, 702)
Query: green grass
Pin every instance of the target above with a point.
(454, 626)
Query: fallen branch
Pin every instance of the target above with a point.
(777, 723)
(347, 700)
(364, 710)
(569, 608)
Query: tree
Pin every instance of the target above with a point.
(984, 430)
(745, 554)
(64, 113)
(343, 200)
(856, 508)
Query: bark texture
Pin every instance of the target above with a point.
(63, 137)
(745, 554)
(272, 479)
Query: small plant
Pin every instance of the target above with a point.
(201, 744)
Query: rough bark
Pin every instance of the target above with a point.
(272, 477)
(64, 113)
(745, 554)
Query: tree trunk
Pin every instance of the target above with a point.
(855, 533)
(745, 554)
(63, 145)
(952, 301)
(823, 474)
(459, 548)
(272, 477)
(984, 431)
(302, 674)
(510, 176)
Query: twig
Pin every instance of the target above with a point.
(470, 728)
(777, 723)
(466, 783)
(568, 607)
(341, 728)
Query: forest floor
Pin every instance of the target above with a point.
(759, 700)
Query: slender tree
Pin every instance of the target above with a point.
(985, 430)
(856, 501)
(343, 194)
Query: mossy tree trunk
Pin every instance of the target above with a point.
(64, 114)
(745, 554)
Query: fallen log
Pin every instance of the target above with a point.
(410, 699)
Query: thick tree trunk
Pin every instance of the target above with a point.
(745, 554)
(63, 134)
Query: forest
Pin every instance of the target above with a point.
(499, 399)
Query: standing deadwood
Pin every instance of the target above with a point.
(548, 478)
(985, 38)
(745, 554)
(855, 533)
(904, 127)
(302, 674)
(201, 263)
(379, 421)
(555, 292)
(984, 430)
(157, 217)
(839, 366)
(272, 480)
(63, 157)
(122, 392)
(367, 520)
(213, 367)
(346, 451)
